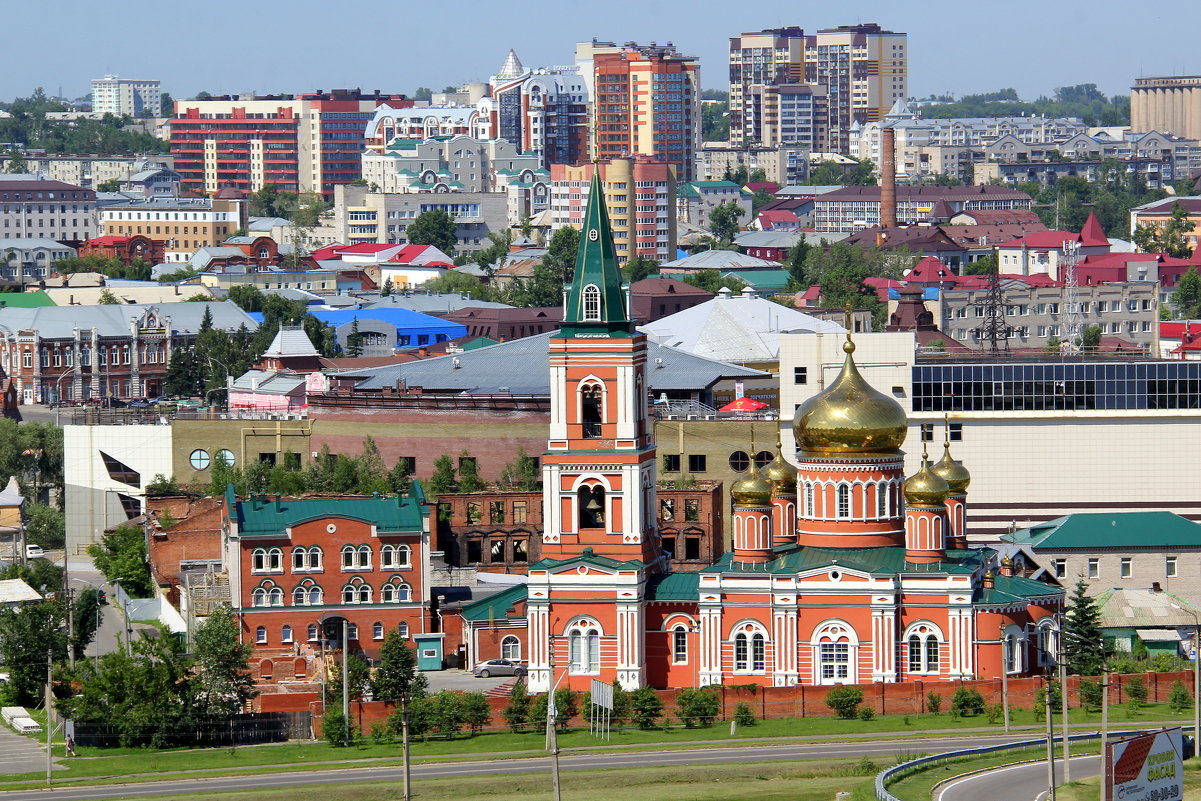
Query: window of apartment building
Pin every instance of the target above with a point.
(692, 510)
(955, 432)
(519, 512)
(474, 551)
(1061, 568)
(1094, 567)
(1127, 567)
(927, 432)
(671, 461)
(696, 463)
(800, 375)
(496, 512)
(1169, 567)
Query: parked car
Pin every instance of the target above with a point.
(499, 667)
(34, 552)
(139, 403)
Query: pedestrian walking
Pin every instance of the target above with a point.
(70, 746)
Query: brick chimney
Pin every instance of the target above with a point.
(888, 177)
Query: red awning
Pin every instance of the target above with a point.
(743, 404)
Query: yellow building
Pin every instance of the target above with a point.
(12, 521)
(185, 224)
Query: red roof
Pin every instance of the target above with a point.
(1174, 329)
(771, 218)
(930, 271)
(1091, 235)
(364, 247)
(766, 186)
(1043, 240)
(110, 239)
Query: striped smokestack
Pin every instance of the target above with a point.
(888, 178)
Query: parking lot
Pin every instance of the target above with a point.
(462, 680)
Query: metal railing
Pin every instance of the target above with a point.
(898, 772)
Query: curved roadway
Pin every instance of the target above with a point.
(1017, 783)
(751, 752)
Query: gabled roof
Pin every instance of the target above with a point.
(1142, 607)
(719, 260)
(269, 383)
(291, 341)
(589, 557)
(1092, 235)
(496, 606)
(1093, 530)
(930, 270)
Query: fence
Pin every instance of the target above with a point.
(249, 729)
(898, 772)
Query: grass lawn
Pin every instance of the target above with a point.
(918, 787)
(796, 781)
(96, 763)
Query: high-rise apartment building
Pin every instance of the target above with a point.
(1168, 105)
(113, 94)
(640, 194)
(645, 102)
(863, 69)
(758, 60)
(543, 111)
(306, 143)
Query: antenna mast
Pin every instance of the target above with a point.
(1073, 333)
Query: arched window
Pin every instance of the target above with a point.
(300, 559)
(844, 501)
(260, 635)
(922, 645)
(364, 556)
(750, 650)
(591, 503)
(915, 654)
(881, 500)
(285, 634)
(352, 631)
(258, 597)
(314, 558)
(300, 596)
(275, 597)
(275, 560)
(258, 560)
(315, 596)
(348, 557)
(590, 410)
(364, 594)
(386, 555)
(583, 641)
(510, 648)
(403, 555)
(349, 595)
(314, 632)
(809, 505)
(377, 630)
(834, 646)
(592, 302)
(403, 593)
(387, 594)
(931, 654)
(403, 630)
(679, 644)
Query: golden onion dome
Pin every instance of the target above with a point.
(850, 417)
(953, 472)
(753, 490)
(781, 474)
(925, 487)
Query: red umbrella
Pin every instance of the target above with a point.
(743, 404)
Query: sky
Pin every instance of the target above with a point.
(223, 46)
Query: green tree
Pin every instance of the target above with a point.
(446, 713)
(1179, 699)
(1171, 237)
(713, 281)
(434, 227)
(638, 267)
(16, 162)
(1187, 297)
(645, 708)
(845, 701)
(455, 282)
(30, 634)
(85, 615)
(111, 185)
(224, 681)
(522, 473)
(1082, 644)
(387, 289)
(107, 298)
(121, 557)
(493, 256)
(354, 341)
(715, 121)
(477, 712)
(443, 480)
(551, 275)
(45, 526)
(795, 264)
(1091, 337)
(517, 713)
(966, 701)
(358, 673)
(723, 220)
(469, 474)
(265, 202)
(697, 707)
(566, 708)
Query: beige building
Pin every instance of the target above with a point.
(867, 65)
(1171, 104)
(784, 165)
(361, 215)
(186, 224)
(760, 59)
(113, 94)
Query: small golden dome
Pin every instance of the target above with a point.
(850, 417)
(753, 490)
(925, 487)
(781, 474)
(953, 472)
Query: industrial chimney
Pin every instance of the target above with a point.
(888, 177)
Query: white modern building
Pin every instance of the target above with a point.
(113, 94)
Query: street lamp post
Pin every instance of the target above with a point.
(1196, 674)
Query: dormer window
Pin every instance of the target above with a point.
(592, 304)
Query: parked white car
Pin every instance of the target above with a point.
(34, 552)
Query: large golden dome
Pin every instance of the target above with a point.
(753, 490)
(925, 487)
(849, 417)
(953, 472)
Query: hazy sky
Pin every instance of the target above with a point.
(397, 45)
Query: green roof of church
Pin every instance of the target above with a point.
(589, 557)
(596, 301)
(673, 587)
(885, 559)
(1017, 589)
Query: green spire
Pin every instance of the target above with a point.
(596, 302)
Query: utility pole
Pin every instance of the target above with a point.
(1104, 723)
(1063, 697)
(1005, 677)
(552, 734)
(49, 713)
(345, 684)
(1048, 711)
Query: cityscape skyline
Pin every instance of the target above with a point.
(945, 45)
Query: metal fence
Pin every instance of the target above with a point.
(898, 772)
(248, 729)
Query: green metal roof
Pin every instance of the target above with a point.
(673, 587)
(589, 557)
(25, 300)
(1024, 588)
(761, 279)
(1090, 531)
(265, 516)
(715, 184)
(596, 270)
(877, 561)
(496, 606)
(687, 190)
(479, 342)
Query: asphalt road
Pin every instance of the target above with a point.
(1018, 783)
(756, 752)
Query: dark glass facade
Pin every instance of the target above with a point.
(1056, 385)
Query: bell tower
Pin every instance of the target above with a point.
(600, 544)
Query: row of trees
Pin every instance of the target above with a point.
(111, 134)
(362, 474)
(1083, 100)
(136, 270)
(33, 453)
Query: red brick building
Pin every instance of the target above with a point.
(125, 248)
(298, 568)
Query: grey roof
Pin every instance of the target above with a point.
(769, 239)
(720, 260)
(15, 591)
(1144, 608)
(522, 366)
(291, 340)
(342, 301)
(427, 303)
(27, 243)
(204, 256)
(293, 294)
(264, 225)
(59, 322)
(268, 382)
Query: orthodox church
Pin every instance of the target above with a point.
(842, 570)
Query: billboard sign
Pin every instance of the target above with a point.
(1146, 768)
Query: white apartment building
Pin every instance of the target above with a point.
(1042, 437)
(113, 94)
(32, 207)
(361, 215)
